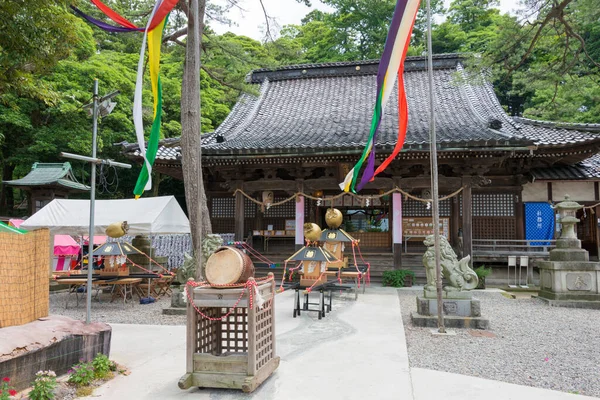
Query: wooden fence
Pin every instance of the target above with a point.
(497, 249)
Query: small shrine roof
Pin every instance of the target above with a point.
(50, 174)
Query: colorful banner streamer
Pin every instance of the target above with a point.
(110, 13)
(144, 181)
(391, 67)
(153, 35)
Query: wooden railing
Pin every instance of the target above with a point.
(497, 248)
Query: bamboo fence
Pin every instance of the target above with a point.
(24, 268)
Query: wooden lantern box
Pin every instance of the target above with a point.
(312, 274)
(116, 271)
(237, 352)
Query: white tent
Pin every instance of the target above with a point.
(145, 215)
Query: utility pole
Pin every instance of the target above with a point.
(102, 106)
(434, 175)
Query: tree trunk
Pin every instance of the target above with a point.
(7, 200)
(190, 132)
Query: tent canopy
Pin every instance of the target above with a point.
(145, 215)
(65, 245)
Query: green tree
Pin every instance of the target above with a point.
(34, 36)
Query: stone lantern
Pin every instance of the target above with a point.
(567, 210)
(568, 247)
(569, 279)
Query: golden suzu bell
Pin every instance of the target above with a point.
(312, 231)
(334, 218)
(117, 229)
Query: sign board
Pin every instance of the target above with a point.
(290, 224)
(421, 227)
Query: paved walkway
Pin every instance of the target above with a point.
(357, 352)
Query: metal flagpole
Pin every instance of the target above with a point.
(88, 316)
(434, 175)
(101, 106)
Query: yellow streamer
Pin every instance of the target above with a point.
(154, 42)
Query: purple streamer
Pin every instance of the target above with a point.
(381, 71)
(104, 25)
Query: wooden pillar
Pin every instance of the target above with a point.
(596, 217)
(239, 215)
(259, 220)
(454, 221)
(467, 218)
(519, 216)
(299, 222)
(299, 242)
(396, 221)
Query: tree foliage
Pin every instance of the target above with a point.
(545, 64)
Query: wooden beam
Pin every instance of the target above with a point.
(519, 216)
(333, 184)
(239, 215)
(454, 221)
(269, 184)
(467, 218)
(445, 182)
(549, 188)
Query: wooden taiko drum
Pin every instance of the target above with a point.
(228, 265)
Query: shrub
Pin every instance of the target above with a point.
(84, 391)
(482, 271)
(5, 390)
(102, 366)
(396, 278)
(82, 374)
(43, 386)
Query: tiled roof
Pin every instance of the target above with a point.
(546, 133)
(328, 107)
(44, 174)
(587, 169)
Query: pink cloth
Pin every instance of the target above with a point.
(60, 264)
(16, 222)
(97, 239)
(65, 245)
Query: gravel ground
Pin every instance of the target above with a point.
(532, 344)
(104, 311)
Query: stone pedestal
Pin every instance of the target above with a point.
(178, 303)
(459, 308)
(569, 279)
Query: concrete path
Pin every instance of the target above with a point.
(357, 352)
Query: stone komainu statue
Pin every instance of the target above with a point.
(457, 273)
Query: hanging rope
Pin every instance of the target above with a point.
(591, 207)
(151, 260)
(368, 273)
(363, 199)
(254, 252)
